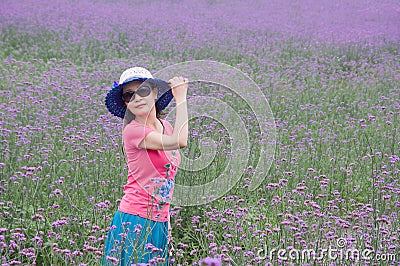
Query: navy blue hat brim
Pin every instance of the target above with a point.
(116, 105)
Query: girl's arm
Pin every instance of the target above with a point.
(179, 138)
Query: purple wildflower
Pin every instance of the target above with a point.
(210, 262)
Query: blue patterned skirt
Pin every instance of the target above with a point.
(135, 240)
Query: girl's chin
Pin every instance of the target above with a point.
(140, 113)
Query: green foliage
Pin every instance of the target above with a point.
(319, 96)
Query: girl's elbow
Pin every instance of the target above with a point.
(182, 144)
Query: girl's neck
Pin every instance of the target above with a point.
(149, 121)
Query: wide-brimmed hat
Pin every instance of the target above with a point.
(114, 101)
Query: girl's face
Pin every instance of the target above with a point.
(142, 102)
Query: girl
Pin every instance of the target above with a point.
(140, 227)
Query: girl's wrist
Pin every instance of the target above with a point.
(180, 101)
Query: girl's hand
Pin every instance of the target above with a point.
(179, 86)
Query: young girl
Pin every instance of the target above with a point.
(140, 227)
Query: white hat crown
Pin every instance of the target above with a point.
(137, 72)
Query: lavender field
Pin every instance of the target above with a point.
(328, 69)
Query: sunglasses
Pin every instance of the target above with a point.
(143, 91)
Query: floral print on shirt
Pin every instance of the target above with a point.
(163, 192)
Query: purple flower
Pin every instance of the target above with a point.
(149, 246)
(112, 259)
(137, 228)
(194, 251)
(210, 262)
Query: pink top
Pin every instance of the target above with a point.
(151, 174)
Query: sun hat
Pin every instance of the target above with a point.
(116, 105)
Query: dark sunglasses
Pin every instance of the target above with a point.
(143, 91)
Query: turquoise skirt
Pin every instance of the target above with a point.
(133, 240)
